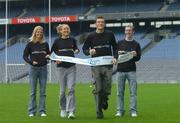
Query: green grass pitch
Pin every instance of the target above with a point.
(157, 103)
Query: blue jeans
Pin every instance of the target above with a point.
(131, 77)
(37, 74)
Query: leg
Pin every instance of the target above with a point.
(107, 80)
(62, 81)
(133, 91)
(42, 86)
(71, 79)
(33, 85)
(120, 92)
(96, 72)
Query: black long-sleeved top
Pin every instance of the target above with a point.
(128, 46)
(36, 52)
(64, 47)
(103, 43)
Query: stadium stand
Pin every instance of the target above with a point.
(70, 10)
(166, 49)
(15, 53)
(174, 6)
(161, 63)
(131, 7)
(160, 60)
(2, 14)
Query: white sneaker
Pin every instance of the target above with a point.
(119, 114)
(134, 115)
(71, 115)
(63, 113)
(31, 115)
(43, 115)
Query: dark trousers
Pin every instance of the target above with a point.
(102, 76)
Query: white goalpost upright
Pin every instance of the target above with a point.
(49, 8)
(6, 32)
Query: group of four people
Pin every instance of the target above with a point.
(98, 43)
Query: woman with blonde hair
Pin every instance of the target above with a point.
(35, 54)
(65, 45)
(58, 29)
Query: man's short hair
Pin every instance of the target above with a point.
(99, 17)
(131, 26)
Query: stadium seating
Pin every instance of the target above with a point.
(132, 7)
(160, 63)
(166, 49)
(56, 11)
(174, 7)
(157, 64)
(15, 53)
(11, 12)
(2, 14)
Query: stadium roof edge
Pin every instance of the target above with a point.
(10, 0)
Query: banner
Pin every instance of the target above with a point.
(96, 61)
(27, 20)
(3, 21)
(125, 57)
(61, 19)
(103, 60)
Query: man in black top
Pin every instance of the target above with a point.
(127, 70)
(100, 43)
